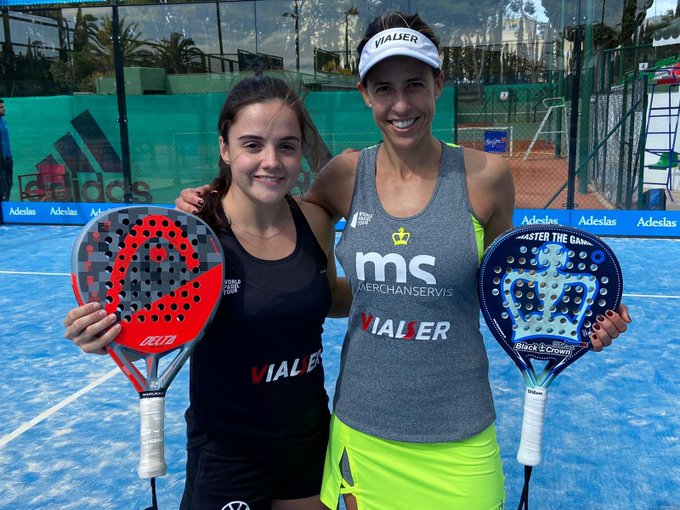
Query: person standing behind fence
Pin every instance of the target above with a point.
(6, 163)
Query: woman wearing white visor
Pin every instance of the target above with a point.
(413, 424)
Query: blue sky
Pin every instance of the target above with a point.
(660, 7)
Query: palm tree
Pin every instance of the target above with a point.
(178, 55)
(133, 48)
(85, 29)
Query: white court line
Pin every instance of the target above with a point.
(653, 296)
(35, 273)
(46, 414)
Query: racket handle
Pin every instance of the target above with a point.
(529, 453)
(152, 421)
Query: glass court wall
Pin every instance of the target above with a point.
(109, 102)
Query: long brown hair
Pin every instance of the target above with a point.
(252, 90)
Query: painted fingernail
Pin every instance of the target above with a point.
(593, 336)
(609, 313)
(599, 318)
(597, 327)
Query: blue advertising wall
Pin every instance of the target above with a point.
(600, 222)
(605, 222)
(57, 213)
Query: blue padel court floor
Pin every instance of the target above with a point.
(69, 422)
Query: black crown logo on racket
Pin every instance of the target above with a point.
(548, 300)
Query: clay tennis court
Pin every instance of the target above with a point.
(541, 176)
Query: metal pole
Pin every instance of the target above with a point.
(122, 105)
(347, 39)
(296, 18)
(297, 36)
(256, 28)
(587, 84)
(219, 33)
(559, 120)
(573, 120)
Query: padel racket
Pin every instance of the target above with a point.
(161, 272)
(541, 288)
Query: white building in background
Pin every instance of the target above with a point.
(532, 37)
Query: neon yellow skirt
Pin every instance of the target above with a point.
(392, 475)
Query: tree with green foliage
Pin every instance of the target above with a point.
(134, 49)
(83, 66)
(178, 55)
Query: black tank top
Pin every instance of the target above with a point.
(256, 377)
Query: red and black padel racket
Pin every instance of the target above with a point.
(161, 272)
(541, 288)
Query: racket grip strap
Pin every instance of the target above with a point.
(529, 453)
(152, 456)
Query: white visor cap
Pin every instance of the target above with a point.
(398, 42)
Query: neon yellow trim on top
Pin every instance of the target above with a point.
(479, 237)
(479, 228)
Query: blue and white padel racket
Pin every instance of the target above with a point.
(161, 272)
(541, 288)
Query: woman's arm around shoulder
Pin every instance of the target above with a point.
(491, 191)
(190, 200)
(324, 231)
(333, 187)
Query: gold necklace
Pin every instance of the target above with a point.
(264, 238)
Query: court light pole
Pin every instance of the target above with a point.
(352, 11)
(119, 71)
(296, 17)
(574, 115)
(219, 34)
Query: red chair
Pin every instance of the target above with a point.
(48, 185)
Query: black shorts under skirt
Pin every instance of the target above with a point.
(215, 478)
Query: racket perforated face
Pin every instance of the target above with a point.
(159, 270)
(541, 288)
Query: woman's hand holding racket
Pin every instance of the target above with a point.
(91, 328)
(608, 327)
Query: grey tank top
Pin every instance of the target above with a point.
(414, 367)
